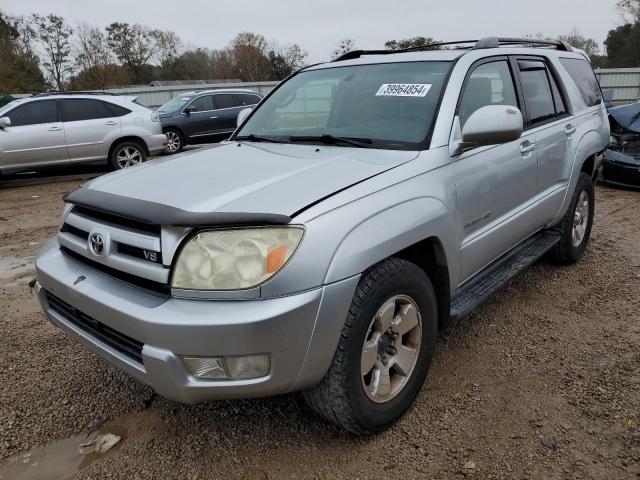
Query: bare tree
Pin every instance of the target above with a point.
(629, 10)
(93, 55)
(168, 44)
(285, 60)
(54, 38)
(576, 39)
(249, 52)
(344, 46)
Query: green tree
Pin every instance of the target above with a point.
(410, 43)
(623, 46)
(134, 46)
(285, 61)
(54, 38)
(19, 66)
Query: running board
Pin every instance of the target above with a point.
(496, 275)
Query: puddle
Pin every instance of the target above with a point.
(58, 459)
(16, 271)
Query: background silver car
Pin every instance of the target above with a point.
(53, 129)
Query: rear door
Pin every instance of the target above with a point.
(35, 137)
(227, 108)
(495, 185)
(90, 128)
(547, 118)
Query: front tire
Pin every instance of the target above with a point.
(384, 352)
(127, 154)
(575, 227)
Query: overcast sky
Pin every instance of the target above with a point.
(318, 26)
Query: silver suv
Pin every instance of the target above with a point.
(56, 129)
(359, 209)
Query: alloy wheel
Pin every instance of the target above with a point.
(580, 219)
(391, 348)
(174, 141)
(129, 156)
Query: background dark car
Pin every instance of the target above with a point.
(621, 162)
(203, 117)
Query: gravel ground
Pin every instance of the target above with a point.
(542, 382)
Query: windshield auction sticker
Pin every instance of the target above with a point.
(403, 90)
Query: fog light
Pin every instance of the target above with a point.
(228, 368)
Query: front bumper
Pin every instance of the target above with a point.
(621, 169)
(157, 144)
(299, 332)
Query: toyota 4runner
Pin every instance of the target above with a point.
(359, 209)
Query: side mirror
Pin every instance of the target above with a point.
(5, 122)
(490, 125)
(242, 116)
(190, 109)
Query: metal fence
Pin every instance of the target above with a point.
(619, 85)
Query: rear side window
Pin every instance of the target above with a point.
(202, 104)
(77, 109)
(34, 113)
(582, 74)
(489, 84)
(224, 101)
(537, 91)
(117, 110)
(247, 99)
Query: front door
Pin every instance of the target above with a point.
(495, 185)
(35, 137)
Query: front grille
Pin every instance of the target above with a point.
(134, 280)
(107, 335)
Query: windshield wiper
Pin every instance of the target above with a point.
(333, 140)
(258, 138)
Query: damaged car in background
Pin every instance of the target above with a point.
(621, 163)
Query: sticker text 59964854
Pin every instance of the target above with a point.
(403, 90)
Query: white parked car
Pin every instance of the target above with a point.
(52, 129)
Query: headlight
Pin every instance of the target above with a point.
(235, 259)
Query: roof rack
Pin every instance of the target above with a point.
(73, 92)
(488, 42)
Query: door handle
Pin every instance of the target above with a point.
(111, 123)
(527, 147)
(570, 130)
(215, 116)
(55, 129)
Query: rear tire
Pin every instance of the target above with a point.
(575, 227)
(365, 399)
(175, 140)
(127, 154)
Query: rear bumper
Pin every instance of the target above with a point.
(156, 144)
(299, 332)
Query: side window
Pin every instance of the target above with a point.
(489, 84)
(561, 108)
(537, 91)
(34, 113)
(202, 104)
(77, 109)
(582, 74)
(247, 99)
(223, 101)
(117, 110)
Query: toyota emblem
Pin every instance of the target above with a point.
(96, 243)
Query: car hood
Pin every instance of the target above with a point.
(249, 177)
(627, 116)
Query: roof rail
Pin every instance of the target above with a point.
(488, 42)
(73, 92)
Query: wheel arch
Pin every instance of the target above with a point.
(178, 128)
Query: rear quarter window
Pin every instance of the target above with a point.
(583, 76)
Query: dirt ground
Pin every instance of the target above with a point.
(543, 381)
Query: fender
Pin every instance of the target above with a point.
(392, 230)
(589, 145)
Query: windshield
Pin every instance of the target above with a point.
(389, 105)
(174, 105)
